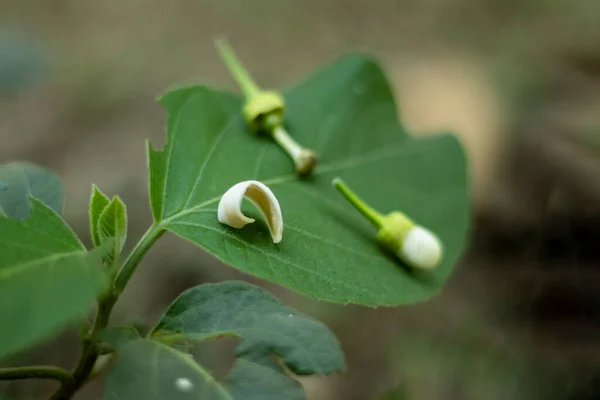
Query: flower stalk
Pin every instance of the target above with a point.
(264, 112)
(415, 245)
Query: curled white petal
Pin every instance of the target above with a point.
(230, 207)
(421, 249)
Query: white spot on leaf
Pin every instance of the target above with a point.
(184, 385)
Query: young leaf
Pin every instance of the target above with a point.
(20, 180)
(98, 203)
(346, 113)
(112, 225)
(269, 330)
(47, 278)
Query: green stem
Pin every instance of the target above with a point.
(90, 351)
(370, 213)
(136, 255)
(236, 68)
(36, 372)
(283, 138)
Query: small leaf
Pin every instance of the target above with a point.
(112, 225)
(347, 114)
(98, 203)
(272, 335)
(19, 180)
(47, 278)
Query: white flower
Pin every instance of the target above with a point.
(230, 207)
(421, 248)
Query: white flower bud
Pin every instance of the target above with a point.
(230, 207)
(421, 248)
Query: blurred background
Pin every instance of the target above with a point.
(517, 80)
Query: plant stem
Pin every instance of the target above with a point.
(35, 372)
(283, 138)
(136, 255)
(370, 213)
(242, 77)
(90, 351)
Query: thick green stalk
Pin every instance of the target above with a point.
(90, 351)
(136, 255)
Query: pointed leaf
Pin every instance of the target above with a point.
(151, 370)
(112, 225)
(19, 180)
(346, 113)
(47, 278)
(98, 203)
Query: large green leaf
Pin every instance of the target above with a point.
(47, 278)
(268, 327)
(19, 180)
(150, 370)
(347, 114)
(272, 334)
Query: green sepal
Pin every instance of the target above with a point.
(394, 228)
(261, 107)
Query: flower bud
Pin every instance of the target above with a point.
(415, 245)
(264, 112)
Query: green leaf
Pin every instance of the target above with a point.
(272, 334)
(268, 327)
(150, 370)
(346, 113)
(47, 278)
(112, 225)
(19, 180)
(98, 203)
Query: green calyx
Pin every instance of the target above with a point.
(392, 228)
(264, 111)
(395, 226)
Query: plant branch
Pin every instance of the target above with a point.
(36, 372)
(91, 351)
(136, 255)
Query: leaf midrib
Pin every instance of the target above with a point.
(347, 164)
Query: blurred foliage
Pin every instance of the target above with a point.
(22, 62)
